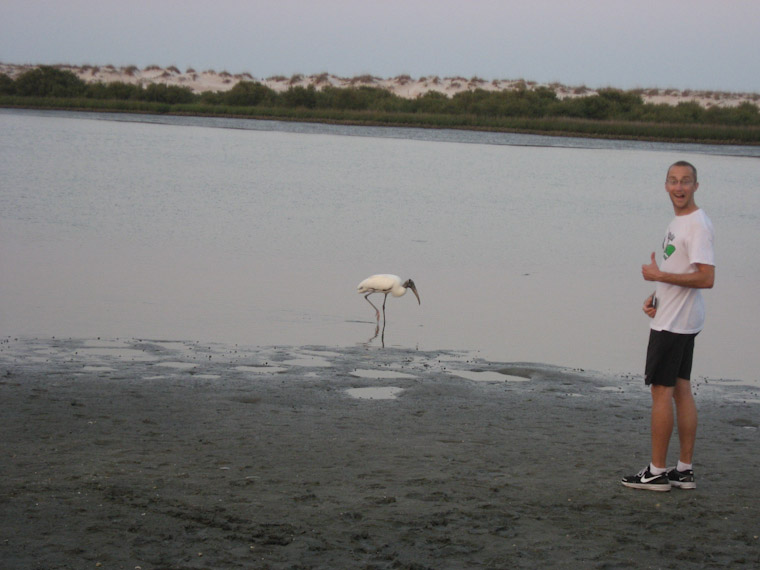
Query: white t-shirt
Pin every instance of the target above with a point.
(688, 241)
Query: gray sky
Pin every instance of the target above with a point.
(683, 44)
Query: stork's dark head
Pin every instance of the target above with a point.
(409, 284)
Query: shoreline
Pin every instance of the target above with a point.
(300, 117)
(174, 454)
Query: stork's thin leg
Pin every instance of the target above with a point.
(377, 312)
(384, 300)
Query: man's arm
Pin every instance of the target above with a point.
(702, 278)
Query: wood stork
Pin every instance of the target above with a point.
(385, 283)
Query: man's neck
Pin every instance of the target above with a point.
(686, 211)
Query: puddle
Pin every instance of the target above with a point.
(178, 365)
(172, 345)
(741, 400)
(49, 352)
(380, 374)
(488, 376)
(322, 353)
(315, 361)
(124, 353)
(375, 393)
(100, 343)
(261, 369)
(733, 383)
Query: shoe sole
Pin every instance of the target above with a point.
(647, 486)
(686, 486)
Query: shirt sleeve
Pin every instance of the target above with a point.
(702, 249)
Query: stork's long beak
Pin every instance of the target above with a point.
(411, 285)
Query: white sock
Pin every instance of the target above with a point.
(683, 466)
(657, 470)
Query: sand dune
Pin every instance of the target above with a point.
(402, 85)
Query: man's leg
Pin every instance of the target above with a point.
(686, 411)
(662, 423)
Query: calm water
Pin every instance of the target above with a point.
(523, 248)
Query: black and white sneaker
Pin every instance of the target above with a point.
(682, 479)
(644, 479)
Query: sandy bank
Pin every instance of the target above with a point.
(145, 454)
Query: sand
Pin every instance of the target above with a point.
(146, 454)
(402, 85)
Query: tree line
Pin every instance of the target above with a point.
(537, 103)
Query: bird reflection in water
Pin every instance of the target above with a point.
(377, 331)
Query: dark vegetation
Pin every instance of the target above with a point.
(608, 113)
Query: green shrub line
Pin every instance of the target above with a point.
(585, 128)
(610, 113)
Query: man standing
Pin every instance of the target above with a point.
(677, 311)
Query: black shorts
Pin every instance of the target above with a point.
(669, 356)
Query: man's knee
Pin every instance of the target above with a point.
(660, 392)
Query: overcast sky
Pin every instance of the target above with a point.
(683, 44)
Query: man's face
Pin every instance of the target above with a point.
(680, 186)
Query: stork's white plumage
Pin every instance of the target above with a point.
(385, 283)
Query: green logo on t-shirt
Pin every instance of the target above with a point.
(668, 247)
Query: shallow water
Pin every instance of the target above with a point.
(211, 231)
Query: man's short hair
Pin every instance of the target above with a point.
(688, 164)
